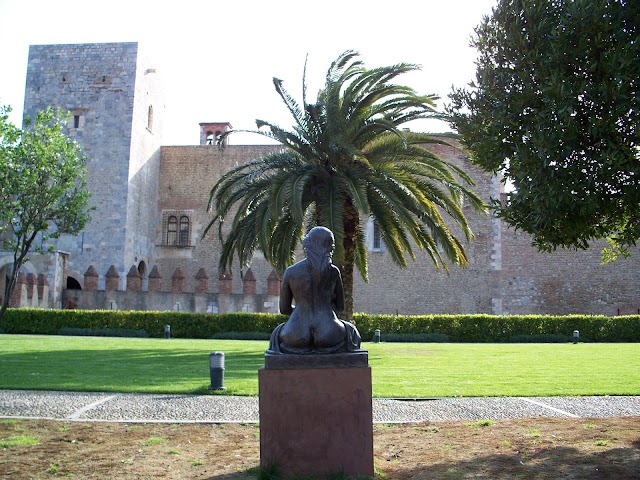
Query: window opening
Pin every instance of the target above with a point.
(377, 238)
(76, 121)
(210, 138)
(172, 230)
(184, 231)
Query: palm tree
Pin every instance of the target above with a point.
(346, 159)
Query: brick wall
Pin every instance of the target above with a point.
(186, 176)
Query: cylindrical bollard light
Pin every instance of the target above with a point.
(576, 336)
(376, 336)
(167, 331)
(216, 370)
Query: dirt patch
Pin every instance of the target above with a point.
(524, 449)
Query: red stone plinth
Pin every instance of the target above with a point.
(316, 421)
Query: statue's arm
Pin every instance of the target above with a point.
(286, 296)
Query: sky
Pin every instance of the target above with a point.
(217, 59)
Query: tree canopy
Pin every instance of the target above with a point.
(554, 108)
(42, 187)
(346, 159)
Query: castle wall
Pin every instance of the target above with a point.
(566, 281)
(504, 273)
(116, 98)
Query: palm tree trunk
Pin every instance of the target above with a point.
(351, 222)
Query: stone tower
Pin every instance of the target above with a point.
(114, 97)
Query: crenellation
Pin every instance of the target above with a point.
(249, 283)
(154, 298)
(112, 279)
(177, 281)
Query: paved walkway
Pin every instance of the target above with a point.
(233, 409)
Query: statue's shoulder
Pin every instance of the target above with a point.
(296, 268)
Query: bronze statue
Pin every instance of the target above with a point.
(315, 285)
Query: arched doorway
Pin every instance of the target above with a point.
(73, 284)
(142, 270)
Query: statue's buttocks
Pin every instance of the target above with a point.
(315, 285)
(312, 323)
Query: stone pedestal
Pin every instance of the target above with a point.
(316, 414)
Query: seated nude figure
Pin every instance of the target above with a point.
(315, 285)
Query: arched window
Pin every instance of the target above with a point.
(184, 231)
(172, 230)
(211, 139)
(176, 228)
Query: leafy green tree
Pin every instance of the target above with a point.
(42, 189)
(346, 159)
(554, 108)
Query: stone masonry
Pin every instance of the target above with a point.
(114, 98)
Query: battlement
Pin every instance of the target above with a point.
(157, 292)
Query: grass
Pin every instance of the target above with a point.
(18, 441)
(452, 370)
(152, 441)
(481, 423)
(398, 369)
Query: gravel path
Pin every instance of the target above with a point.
(231, 409)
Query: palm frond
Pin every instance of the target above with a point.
(330, 213)
(299, 114)
(361, 257)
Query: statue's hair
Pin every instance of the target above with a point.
(318, 245)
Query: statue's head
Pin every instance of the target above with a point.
(320, 240)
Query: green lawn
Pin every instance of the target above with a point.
(399, 369)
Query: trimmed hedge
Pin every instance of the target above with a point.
(480, 328)
(183, 324)
(457, 328)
